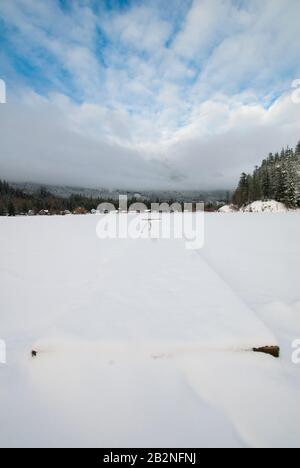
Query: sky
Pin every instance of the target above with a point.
(156, 94)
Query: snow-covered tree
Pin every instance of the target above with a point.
(277, 178)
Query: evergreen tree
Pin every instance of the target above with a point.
(257, 190)
(244, 188)
(2, 210)
(11, 209)
(277, 178)
(297, 173)
(265, 183)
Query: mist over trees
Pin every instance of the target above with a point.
(278, 178)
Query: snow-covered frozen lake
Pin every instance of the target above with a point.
(146, 344)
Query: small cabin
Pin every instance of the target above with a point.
(80, 211)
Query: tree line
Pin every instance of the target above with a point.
(15, 201)
(278, 178)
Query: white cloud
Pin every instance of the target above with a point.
(159, 106)
(90, 145)
(204, 23)
(139, 28)
(260, 55)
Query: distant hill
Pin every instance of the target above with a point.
(64, 191)
(18, 198)
(161, 195)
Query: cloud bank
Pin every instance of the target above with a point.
(143, 95)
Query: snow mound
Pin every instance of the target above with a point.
(228, 209)
(270, 206)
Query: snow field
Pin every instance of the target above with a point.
(144, 343)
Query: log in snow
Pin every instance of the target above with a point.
(272, 350)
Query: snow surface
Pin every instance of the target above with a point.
(227, 209)
(270, 206)
(144, 343)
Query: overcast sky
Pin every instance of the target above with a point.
(146, 94)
